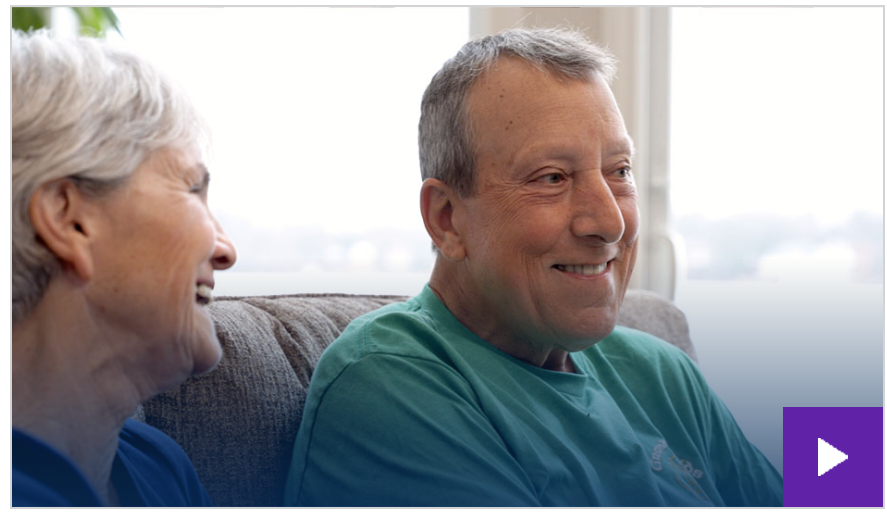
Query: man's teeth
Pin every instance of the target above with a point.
(204, 294)
(585, 270)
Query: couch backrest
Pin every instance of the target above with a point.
(238, 422)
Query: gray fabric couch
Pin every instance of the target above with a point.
(238, 422)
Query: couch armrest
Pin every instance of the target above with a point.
(649, 312)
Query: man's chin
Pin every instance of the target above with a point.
(591, 334)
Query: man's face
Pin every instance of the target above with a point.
(550, 230)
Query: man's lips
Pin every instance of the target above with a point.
(593, 269)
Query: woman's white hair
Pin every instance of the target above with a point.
(84, 110)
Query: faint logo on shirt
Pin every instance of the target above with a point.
(683, 470)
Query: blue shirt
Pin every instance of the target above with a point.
(150, 469)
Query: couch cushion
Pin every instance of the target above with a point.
(238, 422)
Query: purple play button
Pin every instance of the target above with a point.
(833, 456)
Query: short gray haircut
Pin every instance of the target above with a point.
(446, 151)
(84, 110)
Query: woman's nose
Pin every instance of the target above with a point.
(224, 254)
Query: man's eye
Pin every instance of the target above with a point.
(553, 178)
(624, 172)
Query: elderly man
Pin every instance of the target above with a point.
(505, 381)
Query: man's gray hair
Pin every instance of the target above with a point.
(446, 151)
(86, 111)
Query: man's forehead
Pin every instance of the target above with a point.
(505, 69)
(517, 95)
(512, 83)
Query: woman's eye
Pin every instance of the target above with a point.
(202, 186)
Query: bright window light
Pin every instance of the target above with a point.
(777, 191)
(777, 131)
(314, 113)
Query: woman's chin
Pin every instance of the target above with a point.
(206, 351)
(207, 355)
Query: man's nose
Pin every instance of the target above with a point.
(224, 254)
(596, 213)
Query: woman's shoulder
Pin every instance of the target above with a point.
(43, 477)
(140, 436)
(152, 467)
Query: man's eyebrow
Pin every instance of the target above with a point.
(625, 146)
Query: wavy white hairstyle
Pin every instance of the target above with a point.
(446, 151)
(84, 110)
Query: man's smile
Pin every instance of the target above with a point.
(583, 270)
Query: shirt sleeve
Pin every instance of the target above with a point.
(743, 474)
(744, 477)
(402, 431)
(696, 422)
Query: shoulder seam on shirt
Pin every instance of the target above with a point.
(363, 348)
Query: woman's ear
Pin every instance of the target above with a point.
(58, 211)
(438, 203)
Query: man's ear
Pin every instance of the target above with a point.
(438, 202)
(58, 211)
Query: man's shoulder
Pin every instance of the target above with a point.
(634, 354)
(629, 342)
(402, 329)
(418, 336)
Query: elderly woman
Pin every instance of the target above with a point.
(113, 253)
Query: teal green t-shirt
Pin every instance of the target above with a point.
(409, 408)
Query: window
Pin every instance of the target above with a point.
(777, 192)
(777, 154)
(314, 113)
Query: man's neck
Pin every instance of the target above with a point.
(447, 285)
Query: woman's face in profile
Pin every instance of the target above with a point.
(155, 249)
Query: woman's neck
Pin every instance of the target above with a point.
(68, 388)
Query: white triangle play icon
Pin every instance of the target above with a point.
(828, 457)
